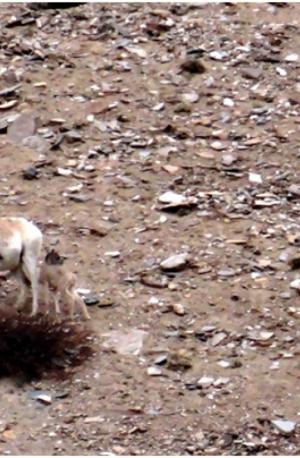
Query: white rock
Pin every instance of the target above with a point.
(218, 146)
(109, 203)
(281, 71)
(218, 338)
(210, 81)
(75, 188)
(221, 381)
(64, 172)
(160, 106)
(295, 284)
(227, 102)
(174, 262)
(178, 309)
(228, 159)
(208, 328)
(138, 51)
(90, 118)
(260, 335)
(224, 363)
(205, 381)
(285, 426)
(246, 48)
(218, 55)
(169, 22)
(97, 419)
(153, 371)
(274, 366)
(43, 397)
(112, 254)
(83, 291)
(163, 219)
(292, 57)
(255, 178)
(154, 301)
(171, 197)
(191, 97)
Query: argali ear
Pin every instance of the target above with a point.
(53, 258)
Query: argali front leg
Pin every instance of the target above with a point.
(56, 303)
(84, 309)
(76, 299)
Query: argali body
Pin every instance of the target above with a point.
(20, 246)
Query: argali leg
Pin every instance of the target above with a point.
(22, 280)
(30, 268)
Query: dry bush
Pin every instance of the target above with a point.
(39, 346)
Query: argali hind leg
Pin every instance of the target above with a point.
(30, 269)
(24, 286)
(20, 246)
(83, 307)
(76, 299)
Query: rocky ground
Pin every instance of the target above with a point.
(157, 147)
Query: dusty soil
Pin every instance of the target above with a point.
(116, 116)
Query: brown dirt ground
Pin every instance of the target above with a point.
(70, 51)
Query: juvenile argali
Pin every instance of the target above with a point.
(20, 247)
(56, 277)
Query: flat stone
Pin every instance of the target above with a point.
(251, 72)
(23, 127)
(284, 426)
(175, 262)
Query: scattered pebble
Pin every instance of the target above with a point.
(221, 381)
(260, 335)
(191, 97)
(218, 55)
(218, 338)
(205, 381)
(218, 146)
(252, 73)
(160, 360)
(175, 262)
(293, 57)
(173, 200)
(42, 396)
(64, 172)
(285, 426)
(171, 197)
(91, 299)
(159, 107)
(255, 178)
(112, 254)
(295, 284)
(154, 371)
(228, 159)
(225, 364)
(31, 173)
(227, 102)
(96, 419)
(178, 309)
(281, 71)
